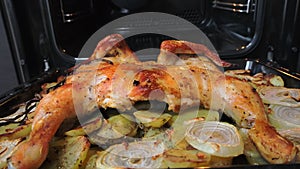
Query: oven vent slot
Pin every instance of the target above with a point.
(194, 16)
(240, 6)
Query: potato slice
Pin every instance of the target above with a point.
(79, 131)
(117, 126)
(123, 124)
(153, 132)
(175, 158)
(193, 115)
(114, 130)
(18, 132)
(91, 162)
(85, 129)
(159, 135)
(151, 119)
(189, 158)
(67, 153)
(8, 128)
(75, 152)
(274, 80)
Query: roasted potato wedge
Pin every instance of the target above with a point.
(152, 119)
(274, 80)
(21, 131)
(161, 136)
(91, 161)
(69, 152)
(116, 127)
(176, 158)
(8, 128)
(123, 124)
(114, 130)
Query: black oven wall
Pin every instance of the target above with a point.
(233, 29)
(280, 41)
(8, 74)
(31, 40)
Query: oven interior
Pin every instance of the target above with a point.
(49, 34)
(237, 23)
(45, 36)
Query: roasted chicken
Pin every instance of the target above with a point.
(184, 76)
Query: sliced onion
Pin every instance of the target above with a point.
(6, 149)
(282, 117)
(142, 154)
(215, 138)
(292, 135)
(280, 96)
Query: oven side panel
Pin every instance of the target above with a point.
(8, 75)
(280, 41)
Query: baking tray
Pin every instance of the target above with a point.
(10, 100)
(291, 79)
(22, 93)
